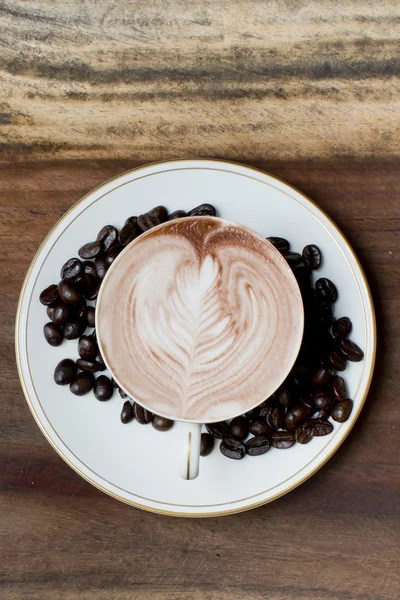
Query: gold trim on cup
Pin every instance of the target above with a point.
(354, 415)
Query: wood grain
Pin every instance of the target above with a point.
(307, 90)
(334, 538)
(151, 79)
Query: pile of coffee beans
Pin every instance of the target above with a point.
(313, 392)
(299, 410)
(69, 306)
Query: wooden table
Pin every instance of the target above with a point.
(304, 90)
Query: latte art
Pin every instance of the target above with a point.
(199, 317)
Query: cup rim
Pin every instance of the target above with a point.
(150, 232)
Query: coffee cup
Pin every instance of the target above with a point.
(199, 320)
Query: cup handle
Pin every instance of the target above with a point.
(189, 462)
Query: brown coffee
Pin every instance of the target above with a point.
(199, 319)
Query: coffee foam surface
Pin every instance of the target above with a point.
(199, 319)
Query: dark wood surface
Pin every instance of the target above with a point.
(334, 538)
(306, 90)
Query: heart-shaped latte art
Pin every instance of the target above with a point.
(200, 319)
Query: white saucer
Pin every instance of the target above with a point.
(135, 463)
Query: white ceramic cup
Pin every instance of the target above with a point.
(275, 296)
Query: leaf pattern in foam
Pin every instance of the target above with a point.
(202, 328)
(193, 330)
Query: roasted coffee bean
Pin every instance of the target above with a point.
(301, 437)
(122, 393)
(239, 428)
(129, 232)
(71, 268)
(91, 312)
(59, 313)
(85, 283)
(100, 362)
(256, 446)
(326, 290)
(65, 372)
(321, 413)
(206, 444)
(335, 345)
(312, 256)
(259, 427)
(87, 347)
(232, 448)
(218, 430)
(337, 361)
(342, 410)
(177, 214)
(262, 412)
(322, 398)
(74, 329)
(153, 217)
(339, 388)
(89, 366)
(321, 376)
(161, 423)
(53, 334)
(351, 351)
(50, 311)
(160, 211)
(112, 254)
(280, 243)
(317, 427)
(90, 250)
(103, 388)
(49, 295)
(306, 399)
(101, 267)
(292, 258)
(127, 412)
(89, 268)
(107, 236)
(68, 292)
(94, 292)
(142, 415)
(204, 210)
(275, 416)
(295, 415)
(342, 327)
(82, 384)
(285, 396)
(80, 311)
(132, 220)
(115, 384)
(282, 439)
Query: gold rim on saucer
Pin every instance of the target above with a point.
(338, 442)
